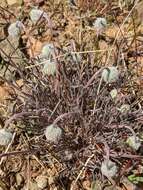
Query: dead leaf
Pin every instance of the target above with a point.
(139, 9)
(86, 184)
(34, 47)
(112, 31)
(14, 2)
(5, 91)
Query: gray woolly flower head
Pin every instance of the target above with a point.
(15, 28)
(35, 14)
(47, 50)
(53, 133)
(110, 74)
(5, 137)
(100, 24)
(108, 168)
(49, 67)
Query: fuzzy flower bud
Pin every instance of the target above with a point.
(36, 14)
(100, 24)
(5, 137)
(110, 74)
(134, 142)
(49, 67)
(53, 133)
(15, 28)
(47, 50)
(108, 168)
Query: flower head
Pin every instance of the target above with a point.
(47, 50)
(108, 168)
(15, 28)
(49, 67)
(110, 74)
(5, 137)
(125, 108)
(53, 133)
(36, 14)
(100, 24)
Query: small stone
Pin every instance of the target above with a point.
(42, 182)
(19, 179)
(53, 133)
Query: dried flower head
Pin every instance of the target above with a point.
(15, 28)
(53, 133)
(36, 14)
(108, 168)
(114, 93)
(100, 24)
(47, 50)
(125, 108)
(49, 67)
(134, 142)
(5, 137)
(110, 74)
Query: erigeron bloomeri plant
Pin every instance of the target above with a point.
(53, 133)
(15, 29)
(35, 14)
(110, 74)
(100, 24)
(5, 137)
(108, 168)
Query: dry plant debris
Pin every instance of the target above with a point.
(71, 95)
